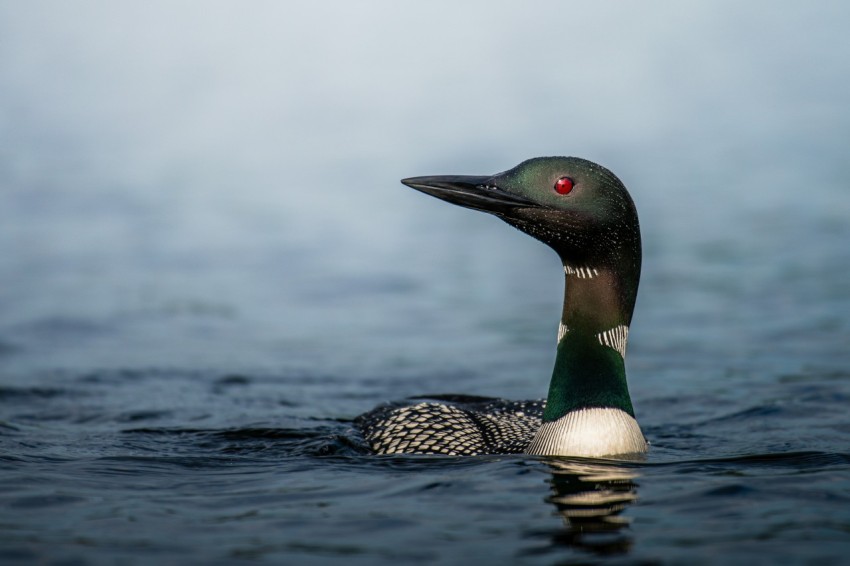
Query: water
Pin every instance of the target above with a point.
(208, 268)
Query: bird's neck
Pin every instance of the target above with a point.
(590, 367)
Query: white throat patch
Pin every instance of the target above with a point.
(581, 272)
(615, 338)
(562, 331)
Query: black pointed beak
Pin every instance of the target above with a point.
(479, 193)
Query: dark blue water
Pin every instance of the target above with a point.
(208, 268)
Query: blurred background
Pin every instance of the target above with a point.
(214, 186)
(208, 267)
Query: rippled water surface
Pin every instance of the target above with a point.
(208, 268)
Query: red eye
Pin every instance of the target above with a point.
(564, 185)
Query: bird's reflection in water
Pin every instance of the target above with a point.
(591, 497)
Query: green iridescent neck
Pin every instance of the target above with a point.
(590, 369)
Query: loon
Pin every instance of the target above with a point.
(583, 212)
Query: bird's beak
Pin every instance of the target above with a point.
(479, 193)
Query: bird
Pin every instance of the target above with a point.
(585, 214)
